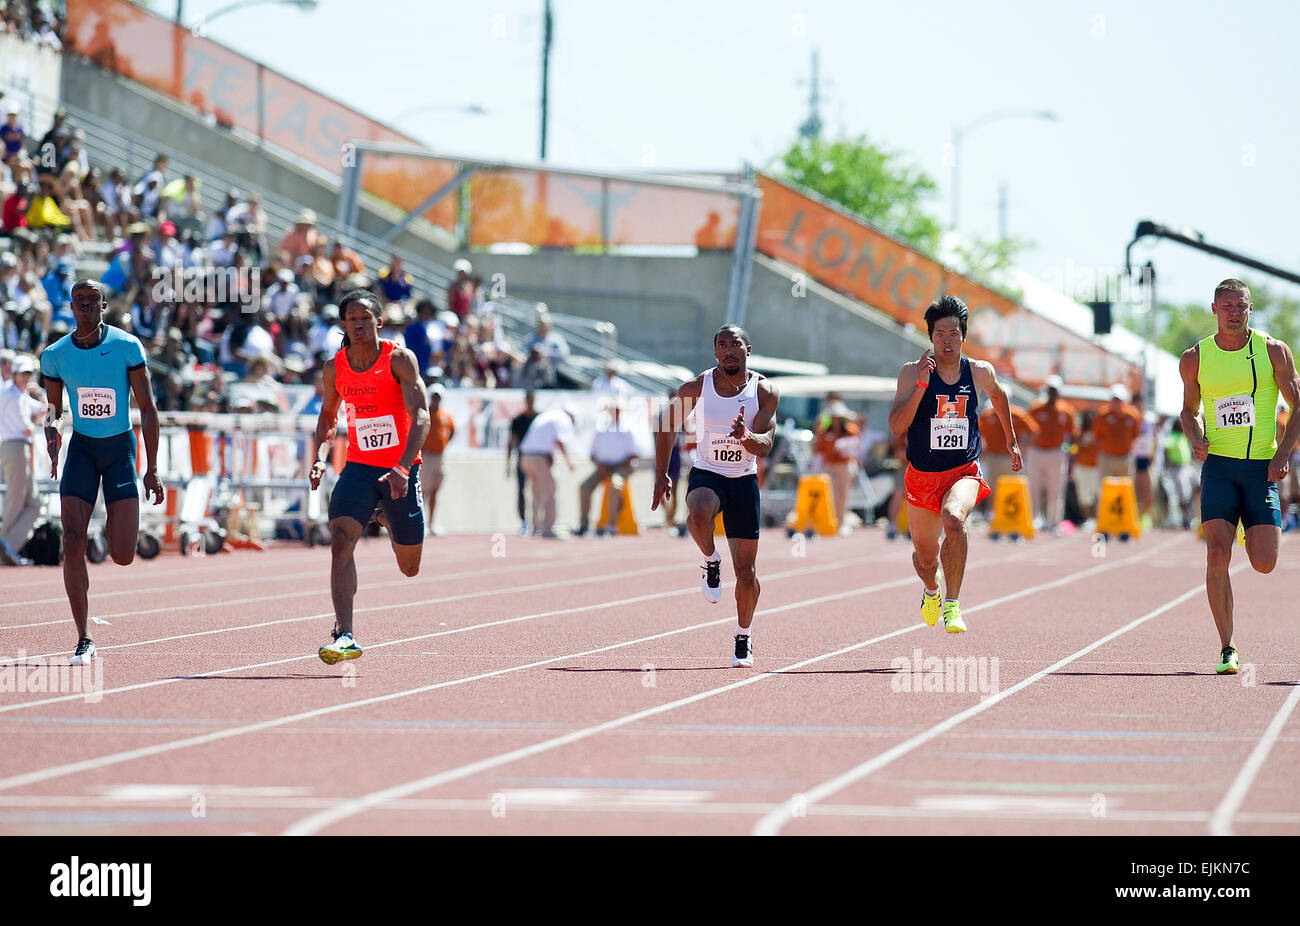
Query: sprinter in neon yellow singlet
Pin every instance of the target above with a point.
(1231, 384)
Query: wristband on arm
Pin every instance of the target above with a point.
(401, 470)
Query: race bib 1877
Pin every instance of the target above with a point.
(376, 433)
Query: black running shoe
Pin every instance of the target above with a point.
(712, 583)
(85, 653)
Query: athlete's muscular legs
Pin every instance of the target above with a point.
(743, 554)
(344, 533)
(925, 526)
(1262, 543)
(1219, 537)
(123, 530)
(957, 506)
(75, 515)
(702, 506)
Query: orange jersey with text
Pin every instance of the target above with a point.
(378, 421)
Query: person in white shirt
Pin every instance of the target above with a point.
(19, 414)
(610, 382)
(613, 450)
(325, 336)
(550, 431)
(282, 296)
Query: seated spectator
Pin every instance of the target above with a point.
(74, 153)
(346, 262)
(497, 352)
(148, 190)
(115, 194)
(74, 203)
(423, 334)
(44, 211)
(282, 296)
(300, 239)
(13, 214)
(395, 283)
(461, 291)
(12, 133)
(217, 221)
(325, 338)
(248, 222)
(610, 382)
(319, 273)
(395, 322)
(551, 342)
(182, 204)
(537, 372)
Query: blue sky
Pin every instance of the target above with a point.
(1178, 112)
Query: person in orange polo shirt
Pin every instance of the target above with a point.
(1116, 426)
(996, 459)
(441, 430)
(1087, 478)
(836, 445)
(1047, 458)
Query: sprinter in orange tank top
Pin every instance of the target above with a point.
(388, 419)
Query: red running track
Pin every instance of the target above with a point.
(525, 686)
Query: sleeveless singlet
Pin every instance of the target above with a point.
(716, 450)
(945, 433)
(378, 422)
(1239, 399)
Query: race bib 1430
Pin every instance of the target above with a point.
(1235, 411)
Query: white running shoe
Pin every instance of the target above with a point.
(744, 655)
(711, 584)
(85, 653)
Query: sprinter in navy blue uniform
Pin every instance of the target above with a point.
(937, 405)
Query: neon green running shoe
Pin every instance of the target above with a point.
(930, 605)
(1227, 661)
(952, 621)
(343, 647)
(1241, 535)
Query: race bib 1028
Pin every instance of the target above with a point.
(723, 448)
(95, 403)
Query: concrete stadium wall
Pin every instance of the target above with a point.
(667, 307)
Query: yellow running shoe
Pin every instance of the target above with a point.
(343, 647)
(1241, 535)
(930, 605)
(952, 621)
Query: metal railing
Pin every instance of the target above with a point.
(591, 342)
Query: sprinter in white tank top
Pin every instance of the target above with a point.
(735, 424)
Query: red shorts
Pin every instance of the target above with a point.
(926, 490)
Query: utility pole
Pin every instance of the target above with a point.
(812, 126)
(1002, 211)
(546, 70)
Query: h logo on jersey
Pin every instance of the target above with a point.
(951, 408)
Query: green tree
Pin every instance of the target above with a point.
(869, 181)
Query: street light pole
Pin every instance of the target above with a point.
(960, 132)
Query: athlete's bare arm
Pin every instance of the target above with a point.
(670, 422)
(913, 379)
(407, 373)
(1189, 366)
(329, 413)
(1288, 383)
(53, 437)
(139, 379)
(986, 379)
(760, 440)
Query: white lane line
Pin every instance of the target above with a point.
(772, 823)
(441, 633)
(345, 809)
(59, 771)
(369, 561)
(391, 583)
(1221, 819)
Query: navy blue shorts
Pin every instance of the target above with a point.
(359, 490)
(738, 496)
(1238, 490)
(91, 459)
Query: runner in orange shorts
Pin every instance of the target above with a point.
(937, 406)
